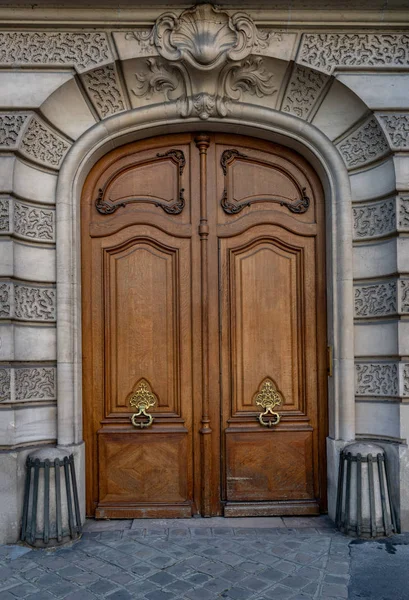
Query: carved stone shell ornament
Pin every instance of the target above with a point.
(205, 61)
(205, 36)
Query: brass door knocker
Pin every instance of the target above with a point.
(268, 397)
(142, 398)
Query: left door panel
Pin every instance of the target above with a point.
(137, 294)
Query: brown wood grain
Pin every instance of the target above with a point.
(204, 305)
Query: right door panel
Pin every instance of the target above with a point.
(272, 329)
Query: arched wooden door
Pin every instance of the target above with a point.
(203, 288)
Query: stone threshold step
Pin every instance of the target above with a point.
(321, 522)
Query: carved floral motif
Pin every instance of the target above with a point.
(249, 76)
(405, 379)
(84, 50)
(404, 295)
(38, 383)
(33, 222)
(5, 385)
(403, 203)
(34, 303)
(374, 300)
(376, 379)
(4, 215)
(366, 144)
(375, 219)
(303, 90)
(44, 145)
(10, 128)
(325, 51)
(103, 87)
(5, 302)
(144, 39)
(397, 129)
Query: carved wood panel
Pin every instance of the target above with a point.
(272, 321)
(143, 470)
(264, 318)
(143, 289)
(220, 313)
(269, 466)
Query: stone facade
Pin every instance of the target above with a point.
(340, 98)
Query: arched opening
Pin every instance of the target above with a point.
(204, 315)
(265, 124)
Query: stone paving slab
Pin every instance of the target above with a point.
(380, 568)
(161, 560)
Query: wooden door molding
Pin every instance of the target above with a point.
(232, 206)
(204, 304)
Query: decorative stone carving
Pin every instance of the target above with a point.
(376, 379)
(364, 145)
(5, 385)
(34, 303)
(374, 219)
(248, 76)
(206, 37)
(4, 215)
(375, 300)
(11, 125)
(397, 130)
(325, 51)
(33, 222)
(403, 204)
(303, 90)
(205, 61)
(405, 379)
(103, 87)
(43, 145)
(404, 295)
(5, 300)
(159, 76)
(175, 82)
(36, 384)
(145, 41)
(84, 50)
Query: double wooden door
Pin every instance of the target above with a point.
(204, 346)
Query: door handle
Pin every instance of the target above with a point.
(268, 397)
(142, 399)
(142, 424)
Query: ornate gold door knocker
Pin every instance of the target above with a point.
(268, 397)
(142, 398)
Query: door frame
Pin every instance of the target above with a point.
(255, 122)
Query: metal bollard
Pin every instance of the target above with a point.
(364, 504)
(50, 516)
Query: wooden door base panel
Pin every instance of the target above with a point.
(158, 511)
(271, 509)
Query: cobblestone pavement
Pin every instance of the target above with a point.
(183, 562)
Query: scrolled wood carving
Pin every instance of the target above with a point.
(231, 207)
(106, 207)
